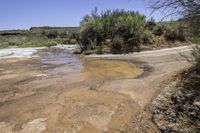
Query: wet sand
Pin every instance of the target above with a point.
(61, 93)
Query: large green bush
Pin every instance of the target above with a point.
(111, 25)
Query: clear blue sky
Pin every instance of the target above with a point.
(22, 14)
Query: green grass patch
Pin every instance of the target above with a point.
(25, 41)
(32, 40)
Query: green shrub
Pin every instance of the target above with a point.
(62, 40)
(72, 35)
(158, 30)
(12, 44)
(87, 38)
(50, 43)
(4, 45)
(147, 37)
(98, 28)
(181, 36)
(175, 32)
(51, 34)
(117, 44)
(63, 35)
(72, 41)
(170, 34)
(133, 44)
(65, 41)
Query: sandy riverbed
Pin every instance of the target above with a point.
(40, 94)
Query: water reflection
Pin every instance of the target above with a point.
(89, 69)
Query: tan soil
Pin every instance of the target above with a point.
(106, 96)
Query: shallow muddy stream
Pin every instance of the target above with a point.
(56, 91)
(96, 69)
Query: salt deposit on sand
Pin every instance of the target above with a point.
(18, 52)
(28, 52)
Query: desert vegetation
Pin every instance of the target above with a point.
(189, 11)
(112, 31)
(37, 37)
(179, 110)
(120, 31)
(123, 30)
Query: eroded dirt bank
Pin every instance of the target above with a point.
(64, 93)
(176, 108)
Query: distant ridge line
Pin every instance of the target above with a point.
(50, 27)
(38, 30)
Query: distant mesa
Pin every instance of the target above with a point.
(52, 28)
(13, 32)
(37, 30)
(48, 28)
